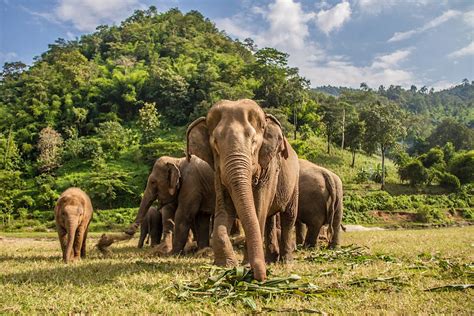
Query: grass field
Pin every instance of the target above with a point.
(391, 274)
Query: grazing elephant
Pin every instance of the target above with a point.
(152, 226)
(185, 188)
(256, 176)
(73, 213)
(320, 203)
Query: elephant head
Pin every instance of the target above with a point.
(163, 184)
(71, 212)
(239, 141)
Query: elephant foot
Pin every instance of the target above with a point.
(272, 257)
(204, 253)
(225, 262)
(162, 250)
(334, 246)
(287, 258)
(190, 247)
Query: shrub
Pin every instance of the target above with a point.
(114, 137)
(462, 166)
(428, 214)
(450, 181)
(50, 148)
(158, 148)
(362, 176)
(414, 172)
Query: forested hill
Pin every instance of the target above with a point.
(96, 112)
(456, 102)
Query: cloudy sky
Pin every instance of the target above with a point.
(342, 43)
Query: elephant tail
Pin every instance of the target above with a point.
(332, 204)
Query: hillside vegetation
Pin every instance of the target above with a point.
(96, 112)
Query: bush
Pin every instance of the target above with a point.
(362, 176)
(158, 148)
(449, 181)
(114, 137)
(462, 166)
(427, 214)
(414, 172)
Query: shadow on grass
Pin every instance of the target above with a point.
(96, 272)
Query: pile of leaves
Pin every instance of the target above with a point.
(351, 255)
(238, 285)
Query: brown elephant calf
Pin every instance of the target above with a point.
(320, 203)
(73, 213)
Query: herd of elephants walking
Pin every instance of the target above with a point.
(239, 169)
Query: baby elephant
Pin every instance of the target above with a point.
(73, 213)
(151, 226)
(320, 203)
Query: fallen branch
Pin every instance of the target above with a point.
(106, 240)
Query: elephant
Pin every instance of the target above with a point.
(152, 227)
(320, 203)
(185, 189)
(255, 175)
(73, 213)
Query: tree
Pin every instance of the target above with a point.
(449, 130)
(414, 172)
(462, 166)
(149, 121)
(50, 147)
(332, 119)
(383, 121)
(355, 136)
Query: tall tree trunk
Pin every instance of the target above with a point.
(343, 126)
(295, 121)
(329, 148)
(383, 168)
(353, 158)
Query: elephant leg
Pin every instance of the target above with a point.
(202, 229)
(78, 241)
(287, 219)
(336, 229)
(143, 233)
(167, 215)
(300, 232)
(84, 243)
(223, 220)
(62, 233)
(183, 223)
(272, 251)
(312, 234)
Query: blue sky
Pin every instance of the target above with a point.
(342, 43)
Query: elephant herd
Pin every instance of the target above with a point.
(239, 167)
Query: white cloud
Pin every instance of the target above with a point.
(339, 71)
(377, 6)
(446, 16)
(465, 51)
(469, 18)
(7, 57)
(231, 26)
(390, 60)
(287, 24)
(334, 18)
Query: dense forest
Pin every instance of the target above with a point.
(95, 112)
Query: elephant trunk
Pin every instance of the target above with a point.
(68, 255)
(145, 204)
(238, 171)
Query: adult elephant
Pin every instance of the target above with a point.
(256, 176)
(320, 203)
(185, 189)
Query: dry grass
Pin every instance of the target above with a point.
(34, 280)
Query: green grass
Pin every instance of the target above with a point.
(390, 272)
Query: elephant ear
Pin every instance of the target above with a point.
(173, 178)
(273, 142)
(197, 141)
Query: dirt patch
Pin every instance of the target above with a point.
(390, 217)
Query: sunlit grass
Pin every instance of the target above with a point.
(34, 280)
